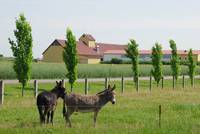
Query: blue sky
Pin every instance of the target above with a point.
(109, 21)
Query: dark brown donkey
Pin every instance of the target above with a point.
(85, 103)
(47, 101)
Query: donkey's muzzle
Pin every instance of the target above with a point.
(113, 101)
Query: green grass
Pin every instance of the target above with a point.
(57, 70)
(133, 113)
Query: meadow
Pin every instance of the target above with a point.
(134, 112)
(43, 70)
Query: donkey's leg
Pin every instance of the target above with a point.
(52, 113)
(45, 113)
(67, 116)
(95, 117)
(48, 115)
(41, 114)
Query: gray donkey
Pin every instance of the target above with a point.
(85, 103)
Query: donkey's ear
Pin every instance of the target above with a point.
(109, 87)
(57, 82)
(113, 88)
(62, 83)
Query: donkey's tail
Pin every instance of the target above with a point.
(64, 109)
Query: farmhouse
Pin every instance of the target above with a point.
(91, 52)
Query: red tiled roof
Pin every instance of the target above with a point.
(105, 48)
(83, 49)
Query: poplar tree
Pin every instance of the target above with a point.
(157, 56)
(22, 50)
(133, 53)
(191, 66)
(174, 60)
(70, 57)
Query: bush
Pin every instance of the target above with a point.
(116, 61)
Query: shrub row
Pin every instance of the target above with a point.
(119, 61)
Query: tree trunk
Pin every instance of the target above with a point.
(192, 82)
(22, 90)
(71, 87)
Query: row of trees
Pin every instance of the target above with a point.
(133, 53)
(22, 52)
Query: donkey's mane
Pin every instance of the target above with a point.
(55, 89)
(101, 92)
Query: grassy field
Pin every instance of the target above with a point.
(57, 70)
(133, 113)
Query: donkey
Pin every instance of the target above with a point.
(47, 101)
(84, 103)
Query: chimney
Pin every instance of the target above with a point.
(97, 48)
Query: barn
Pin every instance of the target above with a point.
(89, 51)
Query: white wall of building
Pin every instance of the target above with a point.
(143, 57)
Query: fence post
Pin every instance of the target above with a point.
(173, 82)
(86, 86)
(122, 82)
(193, 82)
(1, 92)
(63, 81)
(159, 120)
(150, 82)
(137, 85)
(183, 84)
(162, 82)
(35, 88)
(106, 83)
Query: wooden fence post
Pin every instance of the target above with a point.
(150, 82)
(162, 82)
(183, 84)
(35, 88)
(63, 81)
(1, 92)
(86, 86)
(106, 83)
(122, 82)
(159, 120)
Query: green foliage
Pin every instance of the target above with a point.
(70, 57)
(133, 53)
(22, 50)
(157, 56)
(116, 61)
(191, 66)
(174, 60)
